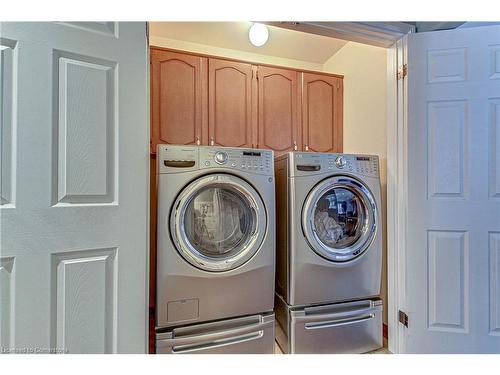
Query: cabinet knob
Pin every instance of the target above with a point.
(307, 148)
(198, 140)
(212, 142)
(294, 146)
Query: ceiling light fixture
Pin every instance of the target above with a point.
(258, 34)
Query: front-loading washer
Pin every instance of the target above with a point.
(329, 246)
(215, 249)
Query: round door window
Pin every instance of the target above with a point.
(340, 219)
(218, 223)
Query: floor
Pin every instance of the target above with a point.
(380, 351)
(277, 350)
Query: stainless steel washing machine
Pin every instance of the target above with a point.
(215, 249)
(329, 237)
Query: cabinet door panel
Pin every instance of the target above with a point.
(322, 113)
(230, 103)
(278, 125)
(177, 86)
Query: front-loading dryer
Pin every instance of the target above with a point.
(215, 249)
(329, 253)
(329, 245)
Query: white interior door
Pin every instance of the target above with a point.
(453, 253)
(74, 173)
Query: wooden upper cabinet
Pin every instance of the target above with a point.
(231, 88)
(212, 101)
(178, 97)
(278, 127)
(322, 112)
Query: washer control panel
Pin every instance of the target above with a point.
(309, 162)
(249, 160)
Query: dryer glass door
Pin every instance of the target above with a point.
(218, 222)
(340, 218)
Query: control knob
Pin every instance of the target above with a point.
(220, 157)
(340, 162)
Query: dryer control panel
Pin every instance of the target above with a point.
(247, 160)
(303, 163)
(178, 159)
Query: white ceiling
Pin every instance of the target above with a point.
(282, 42)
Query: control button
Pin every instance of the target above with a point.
(233, 164)
(207, 163)
(220, 157)
(340, 162)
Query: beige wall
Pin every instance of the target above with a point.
(232, 53)
(365, 121)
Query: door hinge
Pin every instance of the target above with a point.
(403, 71)
(403, 318)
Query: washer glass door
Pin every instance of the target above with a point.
(340, 218)
(218, 222)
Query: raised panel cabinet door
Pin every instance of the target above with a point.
(322, 112)
(231, 87)
(278, 126)
(178, 94)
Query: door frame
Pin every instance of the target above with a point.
(397, 191)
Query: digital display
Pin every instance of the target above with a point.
(362, 158)
(248, 153)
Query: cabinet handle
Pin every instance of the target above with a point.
(294, 146)
(307, 147)
(198, 140)
(212, 142)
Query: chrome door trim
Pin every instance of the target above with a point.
(192, 348)
(189, 252)
(369, 227)
(336, 316)
(212, 336)
(339, 322)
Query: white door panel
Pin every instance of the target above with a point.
(454, 207)
(74, 212)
